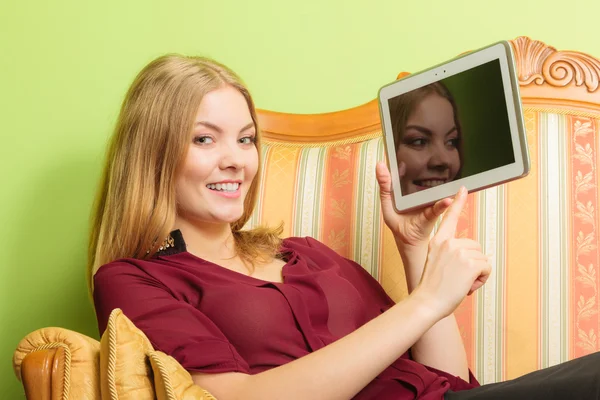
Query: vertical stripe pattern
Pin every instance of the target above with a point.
(279, 183)
(368, 229)
(521, 329)
(257, 215)
(308, 190)
(338, 198)
(584, 134)
(554, 265)
(490, 300)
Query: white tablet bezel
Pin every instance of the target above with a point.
(501, 51)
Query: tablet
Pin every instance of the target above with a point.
(457, 124)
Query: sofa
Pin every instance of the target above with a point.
(540, 305)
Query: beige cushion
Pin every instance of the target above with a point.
(125, 371)
(172, 381)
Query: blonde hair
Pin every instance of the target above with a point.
(135, 206)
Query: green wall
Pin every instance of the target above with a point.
(65, 65)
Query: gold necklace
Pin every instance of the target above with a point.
(169, 242)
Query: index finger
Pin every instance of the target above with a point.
(447, 227)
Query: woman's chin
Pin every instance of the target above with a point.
(213, 219)
(227, 218)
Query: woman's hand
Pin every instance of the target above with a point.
(412, 228)
(455, 267)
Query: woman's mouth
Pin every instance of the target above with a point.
(224, 187)
(229, 190)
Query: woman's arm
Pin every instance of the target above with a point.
(454, 267)
(339, 370)
(441, 347)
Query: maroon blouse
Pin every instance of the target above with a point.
(212, 319)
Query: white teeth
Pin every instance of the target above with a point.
(224, 187)
(430, 183)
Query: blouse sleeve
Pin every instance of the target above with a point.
(173, 326)
(374, 293)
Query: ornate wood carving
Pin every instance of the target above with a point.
(539, 63)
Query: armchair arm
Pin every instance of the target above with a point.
(58, 364)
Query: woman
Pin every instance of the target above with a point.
(428, 137)
(249, 315)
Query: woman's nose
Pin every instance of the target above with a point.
(439, 158)
(231, 157)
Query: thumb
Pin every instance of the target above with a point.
(431, 214)
(447, 227)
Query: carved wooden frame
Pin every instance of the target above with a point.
(548, 79)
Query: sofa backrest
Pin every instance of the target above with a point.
(541, 305)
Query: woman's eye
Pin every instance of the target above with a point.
(248, 140)
(203, 140)
(453, 142)
(419, 142)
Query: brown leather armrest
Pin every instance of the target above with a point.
(58, 364)
(38, 370)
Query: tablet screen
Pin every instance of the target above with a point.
(451, 129)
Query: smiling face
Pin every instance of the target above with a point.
(428, 152)
(221, 162)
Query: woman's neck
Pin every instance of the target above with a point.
(211, 242)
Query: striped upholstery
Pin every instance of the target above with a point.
(327, 192)
(540, 306)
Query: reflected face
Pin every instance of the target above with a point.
(428, 154)
(221, 162)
